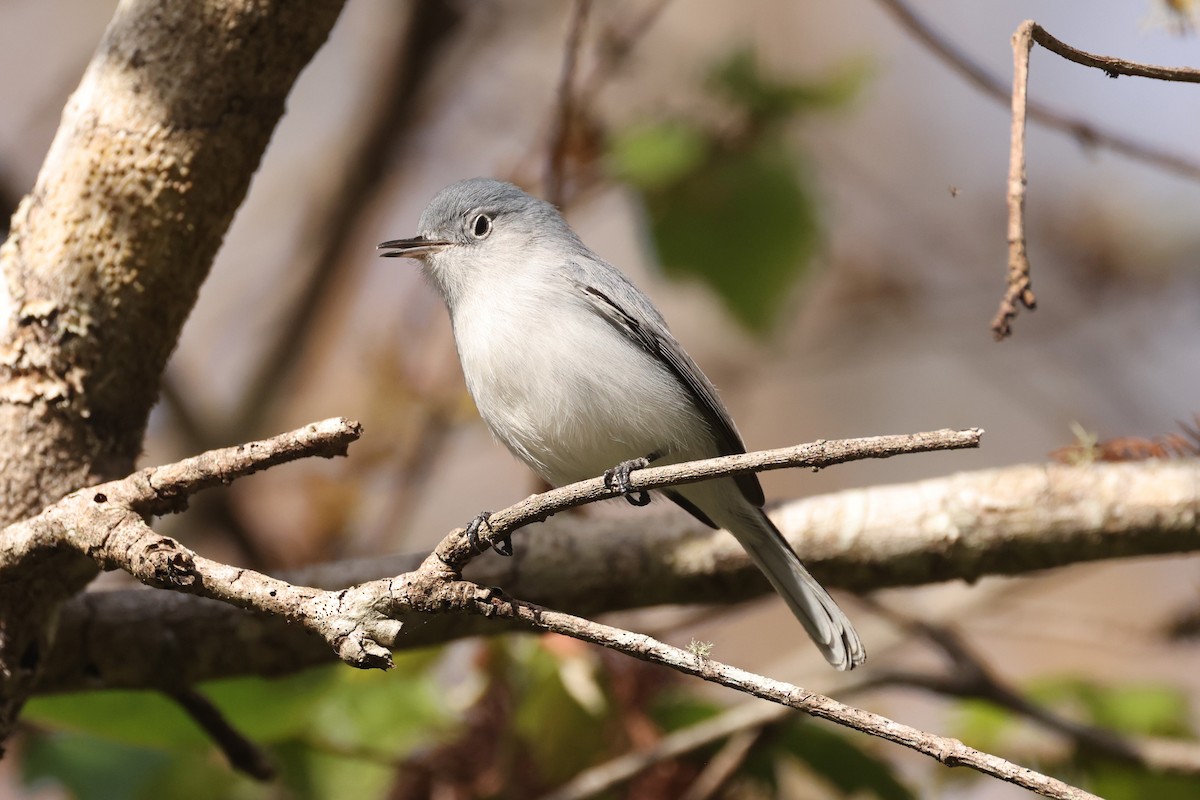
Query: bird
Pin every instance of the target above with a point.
(575, 371)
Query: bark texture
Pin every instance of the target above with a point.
(106, 255)
(1009, 521)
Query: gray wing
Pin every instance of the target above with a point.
(629, 311)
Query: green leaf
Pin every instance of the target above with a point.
(767, 99)
(1119, 782)
(311, 774)
(656, 155)
(133, 718)
(562, 736)
(89, 768)
(1139, 710)
(388, 712)
(337, 732)
(746, 226)
(675, 709)
(262, 709)
(731, 204)
(982, 725)
(1142, 709)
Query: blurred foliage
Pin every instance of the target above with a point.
(334, 732)
(535, 711)
(837, 759)
(1141, 710)
(735, 204)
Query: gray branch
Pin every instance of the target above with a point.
(106, 255)
(1009, 521)
(363, 623)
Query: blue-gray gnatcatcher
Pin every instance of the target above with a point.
(575, 371)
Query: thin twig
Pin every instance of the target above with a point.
(745, 716)
(243, 754)
(560, 135)
(1010, 521)
(613, 45)
(157, 490)
(1019, 288)
(1082, 130)
(106, 523)
(213, 510)
(750, 715)
(724, 765)
(1110, 65)
(455, 550)
(972, 678)
(330, 223)
(950, 752)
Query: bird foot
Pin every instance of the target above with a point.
(503, 545)
(618, 478)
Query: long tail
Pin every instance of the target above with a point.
(827, 625)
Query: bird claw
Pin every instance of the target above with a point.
(502, 545)
(618, 478)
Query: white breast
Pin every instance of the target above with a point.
(562, 388)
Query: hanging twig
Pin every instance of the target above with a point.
(1019, 284)
(560, 135)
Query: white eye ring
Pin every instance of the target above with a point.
(481, 226)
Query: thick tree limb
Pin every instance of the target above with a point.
(1007, 521)
(106, 255)
(363, 622)
(360, 623)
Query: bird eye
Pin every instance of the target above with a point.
(481, 227)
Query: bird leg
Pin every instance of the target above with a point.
(503, 545)
(618, 478)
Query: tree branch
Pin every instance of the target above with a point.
(106, 255)
(1084, 132)
(361, 623)
(243, 754)
(970, 677)
(564, 116)
(1019, 284)
(455, 551)
(1009, 521)
(750, 715)
(950, 752)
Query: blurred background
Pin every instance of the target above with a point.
(814, 196)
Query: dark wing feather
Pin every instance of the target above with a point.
(689, 507)
(663, 347)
